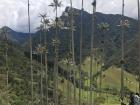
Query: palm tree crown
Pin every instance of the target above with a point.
(56, 3)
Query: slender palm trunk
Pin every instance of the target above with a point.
(96, 78)
(88, 84)
(68, 84)
(41, 81)
(46, 65)
(122, 57)
(73, 51)
(91, 56)
(70, 70)
(40, 59)
(91, 68)
(56, 63)
(139, 39)
(102, 61)
(41, 72)
(30, 41)
(81, 45)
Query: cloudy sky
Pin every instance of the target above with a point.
(13, 13)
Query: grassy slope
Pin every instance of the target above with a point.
(111, 79)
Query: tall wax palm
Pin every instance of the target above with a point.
(46, 22)
(56, 4)
(123, 24)
(91, 53)
(122, 56)
(40, 51)
(103, 27)
(71, 28)
(68, 62)
(71, 13)
(60, 25)
(30, 42)
(73, 51)
(81, 47)
(139, 39)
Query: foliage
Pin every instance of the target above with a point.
(99, 100)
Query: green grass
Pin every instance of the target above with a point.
(111, 79)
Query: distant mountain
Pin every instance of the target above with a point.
(14, 36)
(112, 39)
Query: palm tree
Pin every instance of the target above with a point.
(73, 51)
(40, 50)
(81, 45)
(91, 53)
(71, 13)
(40, 53)
(30, 41)
(139, 38)
(56, 4)
(68, 60)
(46, 22)
(122, 56)
(103, 27)
(71, 28)
(123, 24)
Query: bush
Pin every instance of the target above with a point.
(99, 100)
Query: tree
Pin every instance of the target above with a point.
(56, 42)
(73, 47)
(71, 28)
(81, 47)
(30, 41)
(123, 24)
(92, 50)
(39, 51)
(103, 28)
(122, 56)
(46, 25)
(139, 38)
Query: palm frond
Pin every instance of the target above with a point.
(52, 5)
(56, 4)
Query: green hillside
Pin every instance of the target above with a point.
(111, 83)
(111, 76)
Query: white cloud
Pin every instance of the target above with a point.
(14, 12)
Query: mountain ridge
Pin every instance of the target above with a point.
(112, 37)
